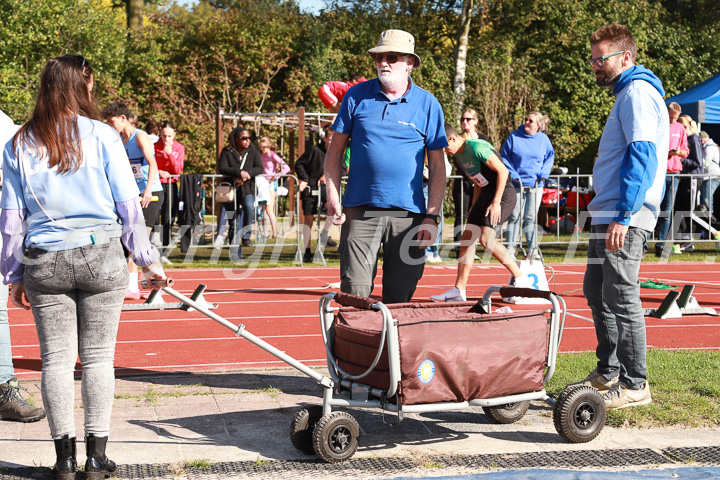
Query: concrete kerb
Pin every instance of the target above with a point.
(188, 419)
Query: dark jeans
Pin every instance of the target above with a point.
(612, 289)
(169, 210)
(247, 217)
(666, 207)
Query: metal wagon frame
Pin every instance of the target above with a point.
(332, 434)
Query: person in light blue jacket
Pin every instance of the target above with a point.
(529, 156)
(629, 179)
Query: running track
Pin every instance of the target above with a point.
(280, 305)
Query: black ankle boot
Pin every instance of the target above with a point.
(97, 466)
(66, 464)
(308, 257)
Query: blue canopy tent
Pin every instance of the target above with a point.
(702, 103)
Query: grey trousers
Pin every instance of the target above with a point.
(365, 230)
(612, 289)
(76, 298)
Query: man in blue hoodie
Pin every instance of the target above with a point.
(629, 179)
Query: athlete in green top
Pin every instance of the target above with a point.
(493, 202)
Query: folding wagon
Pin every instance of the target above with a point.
(431, 357)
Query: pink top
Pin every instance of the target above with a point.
(271, 161)
(172, 163)
(678, 139)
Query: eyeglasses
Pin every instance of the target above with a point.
(600, 61)
(242, 139)
(389, 58)
(466, 119)
(529, 120)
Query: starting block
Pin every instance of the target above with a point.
(677, 304)
(155, 302)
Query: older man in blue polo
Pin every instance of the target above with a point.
(391, 126)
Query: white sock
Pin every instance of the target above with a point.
(133, 282)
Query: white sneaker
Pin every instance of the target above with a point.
(165, 260)
(430, 259)
(438, 259)
(452, 295)
(219, 241)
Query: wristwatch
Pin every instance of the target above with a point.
(434, 218)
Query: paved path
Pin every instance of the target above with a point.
(237, 425)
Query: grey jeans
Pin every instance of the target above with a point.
(76, 298)
(365, 230)
(612, 289)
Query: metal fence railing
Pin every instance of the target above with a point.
(565, 221)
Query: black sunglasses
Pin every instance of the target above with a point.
(466, 119)
(390, 59)
(242, 139)
(83, 61)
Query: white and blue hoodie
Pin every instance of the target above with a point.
(528, 157)
(629, 174)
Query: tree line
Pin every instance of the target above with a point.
(182, 64)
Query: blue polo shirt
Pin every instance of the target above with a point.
(387, 146)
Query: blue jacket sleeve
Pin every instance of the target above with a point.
(548, 162)
(637, 175)
(506, 157)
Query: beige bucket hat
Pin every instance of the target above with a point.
(398, 41)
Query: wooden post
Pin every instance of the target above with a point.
(219, 135)
(291, 181)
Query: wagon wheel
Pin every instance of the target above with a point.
(508, 413)
(302, 426)
(579, 414)
(335, 437)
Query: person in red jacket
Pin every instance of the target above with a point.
(170, 158)
(332, 93)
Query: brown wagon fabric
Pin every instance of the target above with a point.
(447, 354)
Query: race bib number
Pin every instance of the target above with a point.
(136, 169)
(478, 179)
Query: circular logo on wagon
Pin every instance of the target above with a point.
(426, 371)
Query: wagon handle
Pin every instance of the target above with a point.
(347, 300)
(507, 292)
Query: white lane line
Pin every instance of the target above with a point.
(194, 339)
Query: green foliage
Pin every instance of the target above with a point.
(266, 55)
(31, 33)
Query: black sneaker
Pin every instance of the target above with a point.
(14, 407)
(246, 242)
(687, 247)
(331, 243)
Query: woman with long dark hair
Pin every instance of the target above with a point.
(69, 199)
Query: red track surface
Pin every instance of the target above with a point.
(280, 305)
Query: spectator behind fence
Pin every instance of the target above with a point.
(493, 200)
(678, 151)
(272, 163)
(310, 171)
(529, 156)
(629, 177)
(393, 124)
(432, 253)
(153, 131)
(240, 162)
(170, 158)
(711, 159)
(463, 187)
(687, 192)
(332, 92)
(67, 185)
(142, 161)
(12, 405)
